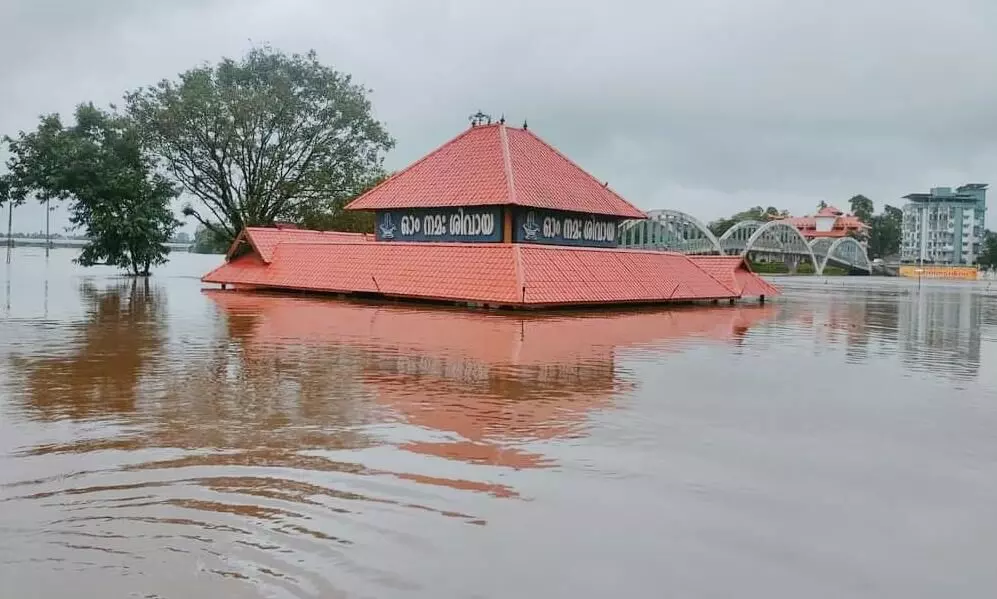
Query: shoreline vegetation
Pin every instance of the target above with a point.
(269, 137)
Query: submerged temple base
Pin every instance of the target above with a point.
(482, 274)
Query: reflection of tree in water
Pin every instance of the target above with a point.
(123, 332)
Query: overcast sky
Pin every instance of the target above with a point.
(706, 106)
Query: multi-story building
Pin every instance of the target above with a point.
(944, 226)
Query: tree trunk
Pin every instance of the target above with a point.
(10, 228)
(48, 238)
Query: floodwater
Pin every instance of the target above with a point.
(160, 441)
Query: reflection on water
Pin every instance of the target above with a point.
(937, 328)
(161, 441)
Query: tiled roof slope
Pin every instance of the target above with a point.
(557, 275)
(265, 239)
(471, 272)
(734, 273)
(504, 274)
(496, 165)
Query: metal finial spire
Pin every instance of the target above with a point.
(480, 118)
(502, 120)
(525, 126)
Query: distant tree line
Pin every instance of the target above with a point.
(266, 138)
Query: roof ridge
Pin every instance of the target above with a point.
(510, 177)
(436, 151)
(580, 169)
(709, 274)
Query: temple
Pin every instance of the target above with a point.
(828, 222)
(496, 217)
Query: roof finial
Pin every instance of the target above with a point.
(480, 118)
(502, 120)
(525, 126)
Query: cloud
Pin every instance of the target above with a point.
(706, 106)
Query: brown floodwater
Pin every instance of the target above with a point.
(157, 440)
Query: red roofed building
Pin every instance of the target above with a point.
(828, 222)
(495, 216)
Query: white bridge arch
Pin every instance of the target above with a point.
(675, 231)
(778, 237)
(670, 230)
(844, 250)
(735, 239)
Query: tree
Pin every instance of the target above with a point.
(271, 137)
(862, 207)
(98, 165)
(207, 241)
(757, 213)
(343, 220)
(988, 257)
(885, 232)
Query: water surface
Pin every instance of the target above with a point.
(160, 441)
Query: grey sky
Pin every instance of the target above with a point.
(707, 106)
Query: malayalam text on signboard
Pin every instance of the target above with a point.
(474, 224)
(564, 228)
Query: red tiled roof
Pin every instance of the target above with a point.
(496, 165)
(733, 272)
(265, 239)
(505, 274)
(558, 275)
(841, 226)
(829, 211)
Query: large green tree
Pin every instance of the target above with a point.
(266, 138)
(97, 164)
(988, 253)
(862, 207)
(885, 232)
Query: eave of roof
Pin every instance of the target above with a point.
(502, 274)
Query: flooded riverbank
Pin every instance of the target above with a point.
(161, 441)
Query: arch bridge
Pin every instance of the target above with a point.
(675, 231)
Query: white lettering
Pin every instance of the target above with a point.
(434, 225)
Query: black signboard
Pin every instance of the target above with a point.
(533, 225)
(469, 224)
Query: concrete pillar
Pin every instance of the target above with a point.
(792, 263)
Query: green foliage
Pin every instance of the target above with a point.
(271, 137)
(338, 219)
(5, 188)
(885, 233)
(804, 268)
(207, 241)
(769, 268)
(862, 207)
(115, 196)
(988, 255)
(720, 226)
